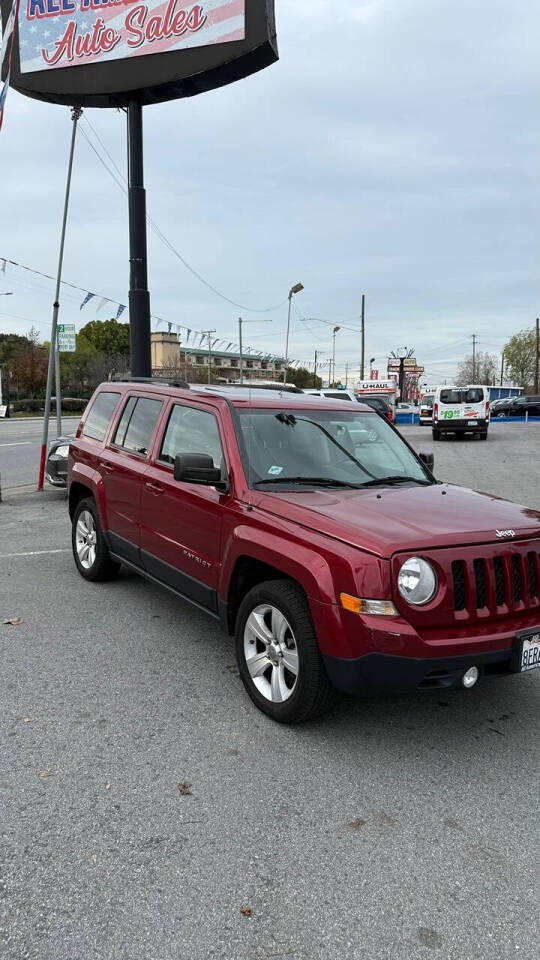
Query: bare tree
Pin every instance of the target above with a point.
(485, 369)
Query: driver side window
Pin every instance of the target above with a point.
(191, 431)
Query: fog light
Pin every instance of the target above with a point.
(470, 677)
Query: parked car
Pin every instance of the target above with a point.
(313, 533)
(333, 394)
(380, 405)
(461, 410)
(406, 408)
(56, 468)
(425, 416)
(518, 407)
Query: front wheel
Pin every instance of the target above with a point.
(278, 654)
(90, 551)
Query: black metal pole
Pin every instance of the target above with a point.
(139, 297)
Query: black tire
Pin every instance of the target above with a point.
(312, 693)
(103, 567)
(436, 435)
(483, 436)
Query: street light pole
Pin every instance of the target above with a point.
(296, 289)
(363, 334)
(240, 345)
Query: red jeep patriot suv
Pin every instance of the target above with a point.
(313, 532)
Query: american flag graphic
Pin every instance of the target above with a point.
(122, 28)
(6, 51)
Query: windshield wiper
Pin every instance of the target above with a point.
(394, 480)
(311, 481)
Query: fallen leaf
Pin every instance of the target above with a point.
(184, 789)
(13, 621)
(246, 911)
(26, 719)
(107, 786)
(358, 824)
(43, 774)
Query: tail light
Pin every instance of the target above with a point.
(487, 409)
(435, 411)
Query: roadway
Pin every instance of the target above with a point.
(20, 447)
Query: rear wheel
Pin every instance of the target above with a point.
(90, 551)
(436, 434)
(278, 654)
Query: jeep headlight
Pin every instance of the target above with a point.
(62, 450)
(417, 581)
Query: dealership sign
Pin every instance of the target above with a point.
(104, 52)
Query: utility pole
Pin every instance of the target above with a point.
(474, 340)
(240, 345)
(502, 368)
(362, 363)
(334, 354)
(208, 333)
(536, 366)
(315, 370)
(347, 375)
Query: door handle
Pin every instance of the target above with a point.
(106, 467)
(154, 488)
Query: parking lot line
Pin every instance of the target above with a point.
(31, 553)
(16, 443)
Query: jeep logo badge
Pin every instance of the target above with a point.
(505, 533)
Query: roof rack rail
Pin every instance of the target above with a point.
(166, 381)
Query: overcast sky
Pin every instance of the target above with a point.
(392, 151)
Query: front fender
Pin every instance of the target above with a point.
(89, 477)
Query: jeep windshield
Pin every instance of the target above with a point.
(324, 448)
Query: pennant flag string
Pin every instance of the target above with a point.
(86, 300)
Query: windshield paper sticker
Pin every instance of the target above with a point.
(275, 471)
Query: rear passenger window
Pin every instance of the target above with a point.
(191, 431)
(450, 396)
(476, 395)
(100, 415)
(136, 425)
(337, 396)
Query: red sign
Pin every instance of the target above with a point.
(374, 375)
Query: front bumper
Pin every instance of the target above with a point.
(56, 471)
(378, 672)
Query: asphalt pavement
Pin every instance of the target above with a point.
(20, 448)
(150, 811)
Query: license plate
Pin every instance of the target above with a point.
(527, 651)
(473, 423)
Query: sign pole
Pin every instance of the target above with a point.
(139, 297)
(58, 387)
(75, 115)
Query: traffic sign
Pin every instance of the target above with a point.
(66, 338)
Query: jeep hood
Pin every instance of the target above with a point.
(385, 520)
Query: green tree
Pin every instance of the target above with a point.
(520, 355)
(109, 337)
(77, 369)
(301, 377)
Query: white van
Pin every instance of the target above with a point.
(461, 410)
(332, 394)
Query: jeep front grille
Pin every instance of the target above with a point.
(495, 584)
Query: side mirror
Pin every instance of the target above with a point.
(196, 468)
(428, 459)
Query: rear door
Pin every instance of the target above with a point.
(181, 522)
(123, 464)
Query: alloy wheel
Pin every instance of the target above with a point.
(86, 539)
(271, 653)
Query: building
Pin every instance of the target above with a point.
(190, 362)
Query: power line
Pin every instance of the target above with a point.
(119, 179)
